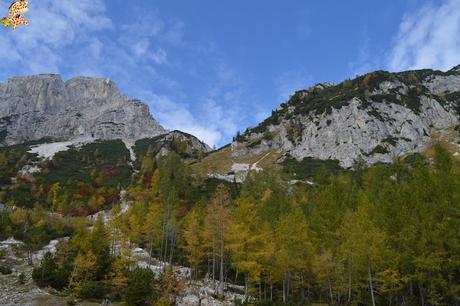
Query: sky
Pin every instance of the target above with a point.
(212, 68)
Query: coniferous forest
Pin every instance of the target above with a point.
(379, 235)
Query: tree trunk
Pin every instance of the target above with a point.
(284, 289)
(349, 281)
(260, 290)
(221, 285)
(371, 287)
(271, 290)
(173, 243)
(265, 290)
(288, 287)
(151, 249)
(246, 281)
(29, 257)
(163, 237)
(422, 298)
(331, 295)
(302, 290)
(213, 262)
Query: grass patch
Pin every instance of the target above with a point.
(219, 161)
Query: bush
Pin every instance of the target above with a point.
(22, 278)
(93, 290)
(43, 275)
(5, 270)
(48, 274)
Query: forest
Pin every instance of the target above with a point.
(379, 235)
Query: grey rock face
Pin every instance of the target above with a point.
(45, 106)
(354, 134)
(376, 126)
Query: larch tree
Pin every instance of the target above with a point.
(245, 242)
(366, 245)
(294, 250)
(152, 225)
(216, 223)
(192, 241)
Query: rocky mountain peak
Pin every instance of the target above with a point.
(34, 107)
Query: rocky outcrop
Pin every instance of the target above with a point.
(41, 106)
(191, 144)
(354, 133)
(374, 118)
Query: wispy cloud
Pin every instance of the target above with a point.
(290, 81)
(56, 25)
(367, 59)
(78, 38)
(174, 115)
(428, 38)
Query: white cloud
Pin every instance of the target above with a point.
(174, 115)
(78, 38)
(428, 38)
(54, 25)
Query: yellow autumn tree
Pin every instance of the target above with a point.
(216, 227)
(193, 241)
(245, 242)
(151, 229)
(294, 251)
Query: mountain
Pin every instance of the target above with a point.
(35, 107)
(80, 110)
(374, 118)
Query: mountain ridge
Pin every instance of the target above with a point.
(375, 117)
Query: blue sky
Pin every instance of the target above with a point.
(211, 67)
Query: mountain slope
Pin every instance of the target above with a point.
(375, 118)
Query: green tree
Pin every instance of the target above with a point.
(140, 287)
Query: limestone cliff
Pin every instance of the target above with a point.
(41, 106)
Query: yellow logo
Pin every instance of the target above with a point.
(16, 14)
